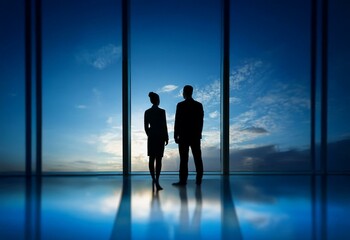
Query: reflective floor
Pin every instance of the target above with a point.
(235, 207)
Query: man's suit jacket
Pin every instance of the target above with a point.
(188, 121)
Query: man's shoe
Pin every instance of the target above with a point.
(179, 184)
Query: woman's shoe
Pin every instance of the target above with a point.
(158, 186)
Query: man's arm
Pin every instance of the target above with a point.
(201, 119)
(176, 125)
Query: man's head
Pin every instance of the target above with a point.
(187, 91)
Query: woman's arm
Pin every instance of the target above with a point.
(146, 123)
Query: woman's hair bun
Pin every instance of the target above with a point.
(154, 97)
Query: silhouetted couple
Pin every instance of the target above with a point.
(187, 133)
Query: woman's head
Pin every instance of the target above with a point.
(154, 98)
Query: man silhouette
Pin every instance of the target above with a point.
(188, 133)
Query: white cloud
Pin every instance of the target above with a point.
(245, 117)
(110, 142)
(168, 88)
(267, 104)
(102, 57)
(245, 72)
(209, 95)
(284, 103)
(234, 100)
(84, 162)
(170, 117)
(211, 138)
(249, 126)
(214, 114)
(80, 106)
(97, 94)
(238, 138)
(109, 120)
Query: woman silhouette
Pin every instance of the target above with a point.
(157, 133)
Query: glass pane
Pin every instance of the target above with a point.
(339, 86)
(12, 87)
(14, 207)
(82, 86)
(270, 85)
(174, 43)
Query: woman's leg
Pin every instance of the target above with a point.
(158, 170)
(151, 166)
(158, 166)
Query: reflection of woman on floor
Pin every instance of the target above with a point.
(157, 228)
(157, 132)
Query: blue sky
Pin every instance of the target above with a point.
(12, 86)
(270, 71)
(166, 54)
(173, 43)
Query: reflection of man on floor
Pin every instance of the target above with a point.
(188, 133)
(187, 229)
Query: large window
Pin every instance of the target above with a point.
(270, 85)
(174, 43)
(12, 87)
(339, 86)
(276, 112)
(82, 86)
